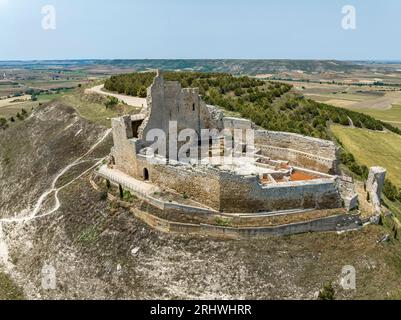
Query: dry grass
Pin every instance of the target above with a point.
(391, 115)
(92, 107)
(8, 289)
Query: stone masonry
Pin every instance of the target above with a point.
(374, 186)
(287, 171)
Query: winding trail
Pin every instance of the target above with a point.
(21, 217)
(5, 263)
(4, 258)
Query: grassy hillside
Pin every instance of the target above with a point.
(92, 107)
(95, 243)
(365, 148)
(373, 148)
(43, 137)
(391, 115)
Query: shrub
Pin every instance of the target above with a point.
(327, 292)
(128, 196)
(111, 102)
(3, 123)
(222, 222)
(390, 190)
(103, 196)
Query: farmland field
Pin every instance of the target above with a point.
(373, 148)
(391, 115)
(350, 96)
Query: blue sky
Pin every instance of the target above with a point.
(136, 29)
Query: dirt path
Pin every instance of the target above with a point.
(132, 101)
(23, 217)
(5, 263)
(4, 259)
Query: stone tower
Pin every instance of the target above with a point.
(374, 186)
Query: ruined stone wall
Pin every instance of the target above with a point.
(317, 147)
(202, 186)
(245, 194)
(237, 123)
(188, 112)
(211, 117)
(123, 151)
(300, 159)
(303, 151)
(332, 223)
(167, 102)
(157, 113)
(227, 192)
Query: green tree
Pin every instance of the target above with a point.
(142, 92)
(111, 102)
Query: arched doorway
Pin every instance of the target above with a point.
(145, 174)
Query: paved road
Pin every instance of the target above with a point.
(132, 101)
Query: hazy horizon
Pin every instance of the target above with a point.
(197, 59)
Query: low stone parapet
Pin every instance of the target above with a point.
(332, 223)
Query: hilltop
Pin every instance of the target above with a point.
(96, 243)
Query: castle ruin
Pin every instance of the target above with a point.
(279, 172)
